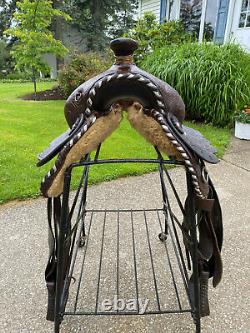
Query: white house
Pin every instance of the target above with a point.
(73, 40)
(224, 20)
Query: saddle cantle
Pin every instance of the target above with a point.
(94, 110)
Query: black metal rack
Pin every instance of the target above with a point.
(126, 267)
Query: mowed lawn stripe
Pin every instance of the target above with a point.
(27, 127)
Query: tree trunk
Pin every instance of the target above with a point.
(34, 81)
(96, 11)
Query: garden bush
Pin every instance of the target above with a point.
(19, 75)
(82, 67)
(151, 35)
(211, 79)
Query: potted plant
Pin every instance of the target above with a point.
(247, 108)
(242, 123)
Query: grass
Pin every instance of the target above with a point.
(27, 127)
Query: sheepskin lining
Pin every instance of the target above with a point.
(151, 130)
(97, 133)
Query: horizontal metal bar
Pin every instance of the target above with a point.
(123, 210)
(124, 160)
(125, 313)
(88, 311)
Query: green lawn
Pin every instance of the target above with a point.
(27, 127)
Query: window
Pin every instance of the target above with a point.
(245, 14)
(190, 15)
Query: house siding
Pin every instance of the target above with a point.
(233, 33)
(238, 35)
(73, 40)
(151, 6)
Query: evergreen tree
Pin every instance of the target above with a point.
(7, 8)
(101, 20)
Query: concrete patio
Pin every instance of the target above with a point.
(23, 256)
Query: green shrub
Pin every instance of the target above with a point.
(82, 67)
(17, 75)
(152, 35)
(211, 79)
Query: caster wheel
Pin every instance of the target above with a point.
(82, 241)
(162, 237)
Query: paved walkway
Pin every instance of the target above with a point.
(23, 256)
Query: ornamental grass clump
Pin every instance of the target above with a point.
(211, 79)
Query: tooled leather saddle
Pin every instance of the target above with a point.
(94, 110)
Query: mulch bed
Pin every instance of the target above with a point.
(46, 95)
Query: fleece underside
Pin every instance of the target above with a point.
(97, 133)
(104, 126)
(151, 130)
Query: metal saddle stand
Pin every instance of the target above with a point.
(189, 229)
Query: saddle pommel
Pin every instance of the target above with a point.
(123, 46)
(123, 49)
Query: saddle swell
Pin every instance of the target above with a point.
(121, 82)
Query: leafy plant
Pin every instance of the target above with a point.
(242, 117)
(211, 79)
(34, 38)
(82, 66)
(152, 35)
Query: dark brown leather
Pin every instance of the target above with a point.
(123, 46)
(122, 89)
(57, 144)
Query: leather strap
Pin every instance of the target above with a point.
(53, 210)
(204, 204)
(53, 206)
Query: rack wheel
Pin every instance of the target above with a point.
(82, 241)
(162, 236)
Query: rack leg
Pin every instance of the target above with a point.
(83, 204)
(85, 188)
(193, 233)
(61, 255)
(57, 327)
(163, 235)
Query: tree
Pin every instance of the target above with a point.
(34, 39)
(153, 35)
(7, 8)
(101, 20)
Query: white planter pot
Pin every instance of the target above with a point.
(242, 131)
